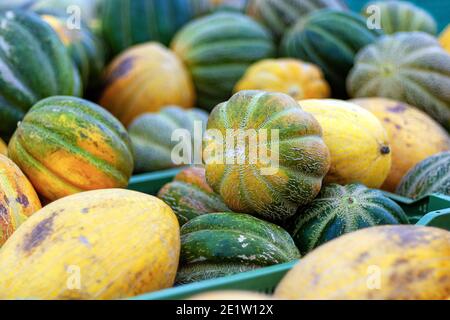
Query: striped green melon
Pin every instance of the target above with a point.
(151, 136)
(190, 196)
(286, 168)
(84, 47)
(408, 66)
(330, 39)
(343, 209)
(279, 15)
(33, 65)
(217, 49)
(432, 175)
(66, 145)
(129, 22)
(220, 244)
(398, 16)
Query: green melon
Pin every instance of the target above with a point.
(432, 175)
(221, 244)
(34, 64)
(129, 22)
(151, 136)
(217, 49)
(85, 48)
(408, 66)
(330, 39)
(286, 168)
(189, 195)
(279, 15)
(342, 209)
(398, 16)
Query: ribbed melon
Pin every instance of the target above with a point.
(151, 137)
(284, 171)
(189, 195)
(84, 47)
(300, 80)
(18, 199)
(34, 64)
(400, 16)
(330, 39)
(220, 244)
(432, 175)
(343, 209)
(67, 145)
(407, 66)
(279, 15)
(217, 49)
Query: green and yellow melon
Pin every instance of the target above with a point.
(273, 175)
(67, 145)
(432, 175)
(18, 199)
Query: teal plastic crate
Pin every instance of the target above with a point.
(433, 211)
(439, 9)
(151, 183)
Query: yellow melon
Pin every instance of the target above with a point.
(3, 148)
(300, 80)
(406, 127)
(102, 244)
(388, 262)
(18, 199)
(358, 143)
(145, 78)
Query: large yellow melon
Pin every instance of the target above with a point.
(413, 135)
(230, 295)
(358, 143)
(388, 262)
(145, 78)
(3, 147)
(102, 244)
(18, 199)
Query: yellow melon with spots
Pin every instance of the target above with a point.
(67, 145)
(413, 135)
(388, 262)
(358, 143)
(18, 199)
(3, 148)
(145, 78)
(103, 244)
(300, 80)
